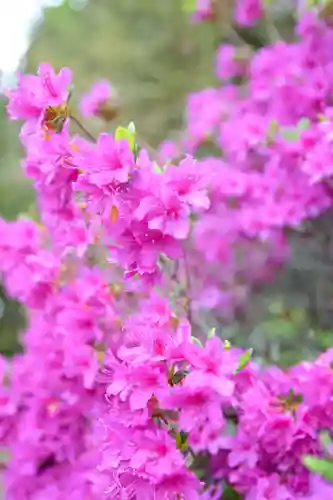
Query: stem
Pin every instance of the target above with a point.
(83, 129)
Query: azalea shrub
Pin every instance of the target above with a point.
(120, 392)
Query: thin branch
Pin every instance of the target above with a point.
(83, 129)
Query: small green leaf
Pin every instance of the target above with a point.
(229, 493)
(200, 473)
(298, 316)
(325, 440)
(212, 333)
(196, 341)
(131, 128)
(227, 345)
(4, 455)
(273, 127)
(276, 308)
(124, 133)
(157, 169)
(311, 3)
(178, 441)
(322, 118)
(231, 427)
(244, 360)
(179, 376)
(320, 466)
(290, 134)
(189, 6)
(303, 124)
(181, 438)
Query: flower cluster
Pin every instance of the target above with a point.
(118, 392)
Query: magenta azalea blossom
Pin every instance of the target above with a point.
(36, 92)
(99, 93)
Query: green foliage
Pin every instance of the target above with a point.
(15, 196)
(11, 324)
(290, 133)
(158, 170)
(325, 440)
(189, 6)
(294, 133)
(303, 124)
(244, 360)
(321, 466)
(148, 50)
(211, 333)
(229, 493)
(196, 341)
(128, 134)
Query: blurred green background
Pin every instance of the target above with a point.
(154, 56)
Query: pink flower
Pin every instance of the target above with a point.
(36, 92)
(229, 63)
(139, 247)
(212, 493)
(268, 488)
(210, 370)
(203, 11)
(189, 182)
(98, 95)
(203, 114)
(136, 382)
(156, 454)
(181, 482)
(109, 163)
(248, 12)
(168, 151)
(165, 213)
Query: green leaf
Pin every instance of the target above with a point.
(212, 333)
(227, 345)
(179, 376)
(131, 128)
(189, 6)
(244, 360)
(276, 308)
(298, 316)
(200, 473)
(229, 493)
(181, 438)
(231, 427)
(178, 441)
(320, 466)
(4, 455)
(325, 440)
(290, 134)
(322, 118)
(196, 341)
(303, 124)
(273, 128)
(318, 3)
(157, 169)
(125, 133)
